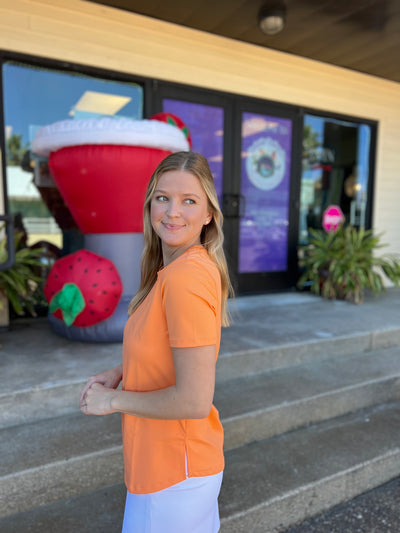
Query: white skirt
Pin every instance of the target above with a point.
(187, 507)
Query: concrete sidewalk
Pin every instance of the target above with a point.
(376, 511)
(285, 318)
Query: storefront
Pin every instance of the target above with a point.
(285, 137)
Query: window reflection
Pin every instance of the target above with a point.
(34, 97)
(335, 171)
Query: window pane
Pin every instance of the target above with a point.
(35, 97)
(206, 126)
(335, 171)
(265, 186)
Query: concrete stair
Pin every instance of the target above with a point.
(308, 425)
(278, 482)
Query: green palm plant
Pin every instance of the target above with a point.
(20, 284)
(343, 264)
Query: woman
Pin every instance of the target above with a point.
(172, 435)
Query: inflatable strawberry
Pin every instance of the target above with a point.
(83, 289)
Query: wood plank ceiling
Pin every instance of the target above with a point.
(362, 35)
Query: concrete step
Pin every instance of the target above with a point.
(250, 354)
(67, 455)
(57, 458)
(268, 485)
(46, 383)
(260, 406)
(278, 482)
(276, 331)
(43, 373)
(99, 511)
(374, 511)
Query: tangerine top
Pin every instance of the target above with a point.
(182, 310)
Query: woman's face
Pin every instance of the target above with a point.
(178, 211)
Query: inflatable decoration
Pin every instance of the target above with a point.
(101, 168)
(83, 289)
(172, 119)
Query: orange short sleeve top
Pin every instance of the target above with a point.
(183, 309)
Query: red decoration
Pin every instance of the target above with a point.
(83, 288)
(104, 185)
(172, 119)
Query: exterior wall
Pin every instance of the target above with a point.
(90, 34)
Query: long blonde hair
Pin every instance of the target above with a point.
(211, 237)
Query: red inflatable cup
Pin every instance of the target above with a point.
(102, 167)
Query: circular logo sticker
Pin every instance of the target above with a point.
(265, 163)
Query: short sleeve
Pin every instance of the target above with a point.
(190, 299)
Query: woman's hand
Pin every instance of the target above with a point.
(97, 400)
(110, 379)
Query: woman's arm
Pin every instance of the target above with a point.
(191, 397)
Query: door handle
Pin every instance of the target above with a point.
(233, 205)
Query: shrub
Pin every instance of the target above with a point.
(343, 264)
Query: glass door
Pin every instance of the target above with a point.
(337, 167)
(251, 147)
(265, 218)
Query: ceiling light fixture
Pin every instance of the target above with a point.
(100, 103)
(272, 17)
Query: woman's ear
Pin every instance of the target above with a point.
(209, 218)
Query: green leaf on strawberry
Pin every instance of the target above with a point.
(70, 301)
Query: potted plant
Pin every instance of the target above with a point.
(343, 264)
(20, 283)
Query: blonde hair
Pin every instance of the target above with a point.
(211, 236)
